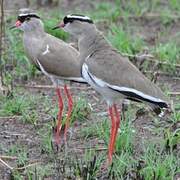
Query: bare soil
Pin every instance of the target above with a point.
(14, 131)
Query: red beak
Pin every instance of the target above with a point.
(18, 23)
(61, 25)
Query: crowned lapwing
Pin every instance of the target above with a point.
(55, 58)
(109, 73)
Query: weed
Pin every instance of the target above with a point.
(106, 11)
(91, 130)
(172, 137)
(168, 52)
(30, 117)
(19, 104)
(157, 164)
(39, 172)
(125, 139)
(121, 166)
(81, 110)
(46, 139)
(16, 175)
(174, 4)
(87, 169)
(175, 115)
(20, 152)
(122, 41)
(158, 160)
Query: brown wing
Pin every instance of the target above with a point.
(111, 67)
(61, 60)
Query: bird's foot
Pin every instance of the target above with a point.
(60, 142)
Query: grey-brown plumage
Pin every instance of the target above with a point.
(56, 57)
(108, 65)
(46, 51)
(53, 57)
(109, 73)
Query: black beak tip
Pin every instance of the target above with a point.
(12, 27)
(57, 27)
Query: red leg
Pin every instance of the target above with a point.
(117, 121)
(70, 108)
(59, 122)
(110, 149)
(114, 129)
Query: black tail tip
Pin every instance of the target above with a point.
(163, 105)
(162, 109)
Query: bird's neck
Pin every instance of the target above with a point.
(90, 42)
(38, 33)
(32, 41)
(32, 37)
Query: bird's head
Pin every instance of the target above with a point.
(76, 24)
(28, 22)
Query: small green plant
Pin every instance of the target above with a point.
(14, 106)
(91, 130)
(81, 110)
(46, 139)
(19, 104)
(125, 138)
(172, 137)
(174, 4)
(106, 11)
(21, 153)
(22, 157)
(168, 52)
(39, 172)
(87, 168)
(16, 175)
(123, 41)
(175, 115)
(166, 17)
(158, 164)
(30, 117)
(121, 166)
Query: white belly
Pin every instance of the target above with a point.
(100, 86)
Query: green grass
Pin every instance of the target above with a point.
(20, 152)
(18, 104)
(123, 41)
(46, 139)
(153, 159)
(88, 166)
(174, 4)
(39, 172)
(168, 52)
(101, 130)
(158, 164)
(52, 22)
(106, 12)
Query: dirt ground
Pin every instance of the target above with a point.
(12, 130)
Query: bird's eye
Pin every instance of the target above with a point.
(28, 18)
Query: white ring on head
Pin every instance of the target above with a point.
(26, 14)
(79, 17)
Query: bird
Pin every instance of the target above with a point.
(112, 75)
(54, 57)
